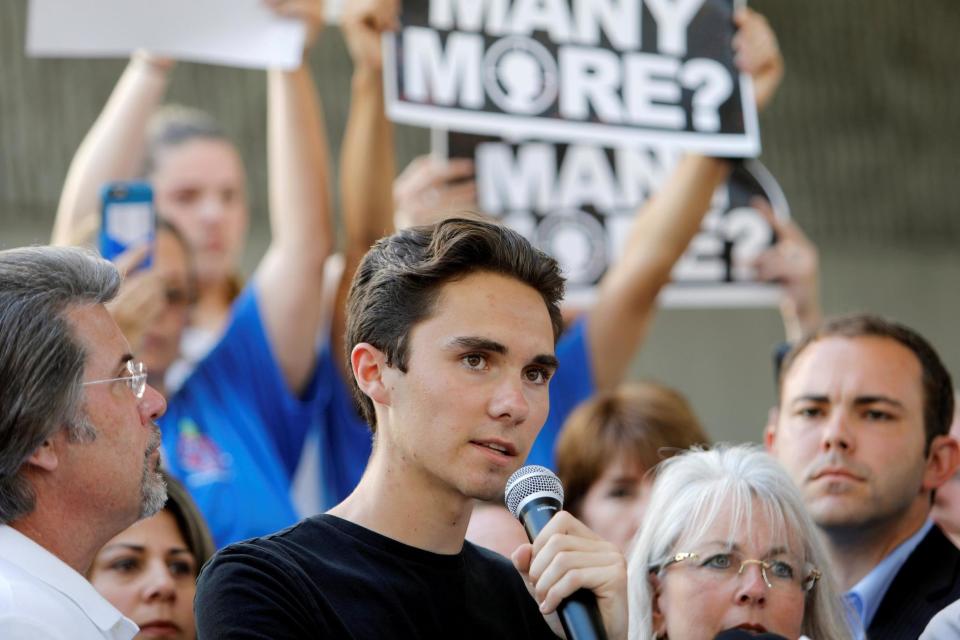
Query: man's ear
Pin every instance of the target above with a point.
(369, 366)
(45, 457)
(770, 431)
(942, 462)
(658, 620)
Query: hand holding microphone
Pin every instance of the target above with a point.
(569, 568)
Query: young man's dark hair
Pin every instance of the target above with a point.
(938, 392)
(397, 283)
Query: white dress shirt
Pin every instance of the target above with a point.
(42, 598)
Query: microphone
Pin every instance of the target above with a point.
(534, 495)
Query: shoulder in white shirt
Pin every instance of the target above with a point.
(43, 598)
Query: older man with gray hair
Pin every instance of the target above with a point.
(79, 452)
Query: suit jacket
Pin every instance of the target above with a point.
(927, 582)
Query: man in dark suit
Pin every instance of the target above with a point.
(865, 408)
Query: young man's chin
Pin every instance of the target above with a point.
(490, 490)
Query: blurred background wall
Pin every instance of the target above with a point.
(862, 137)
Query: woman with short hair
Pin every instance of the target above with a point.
(731, 546)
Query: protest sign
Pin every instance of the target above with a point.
(655, 72)
(242, 33)
(577, 202)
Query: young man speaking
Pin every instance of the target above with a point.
(451, 330)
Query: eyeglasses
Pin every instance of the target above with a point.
(136, 378)
(724, 566)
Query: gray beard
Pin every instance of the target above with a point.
(153, 488)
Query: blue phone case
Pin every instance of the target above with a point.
(127, 219)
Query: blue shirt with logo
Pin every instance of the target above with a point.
(345, 439)
(234, 432)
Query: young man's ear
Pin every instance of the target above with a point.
(369, 366)
(770, 432)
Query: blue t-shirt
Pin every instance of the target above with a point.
(345, 438)
(233, 433)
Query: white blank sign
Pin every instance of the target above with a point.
(241, 33)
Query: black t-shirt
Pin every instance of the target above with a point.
(329, 578)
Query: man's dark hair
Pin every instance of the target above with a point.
(937, 386)
(397, 283)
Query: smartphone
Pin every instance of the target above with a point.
(128, 219)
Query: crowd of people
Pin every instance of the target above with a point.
(322, 450)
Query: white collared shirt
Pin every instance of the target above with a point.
(42, 598)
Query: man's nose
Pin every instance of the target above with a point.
(836, 432)
(152, 405)
(509, 402)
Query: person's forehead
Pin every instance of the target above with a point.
(754, 533)
(170, 256)
(199, 151)
(624, 464)
(98, 333)
(494, 306)
(158, 531)
(868, 364)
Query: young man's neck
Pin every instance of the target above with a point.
(856, 551)
(401, 503)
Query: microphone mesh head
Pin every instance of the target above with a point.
(529, 480)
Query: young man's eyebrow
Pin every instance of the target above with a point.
(492, 346)
(545, 360)
(862, 400)
(480, 344)
(810, 397)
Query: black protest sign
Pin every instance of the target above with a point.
(577, 203)
(578, 71)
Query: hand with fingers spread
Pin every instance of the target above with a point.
(568, 556)
(792, 262)
(309, 11)
(362, 23)
(429, 190)
(141, 298)
(757, 52)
